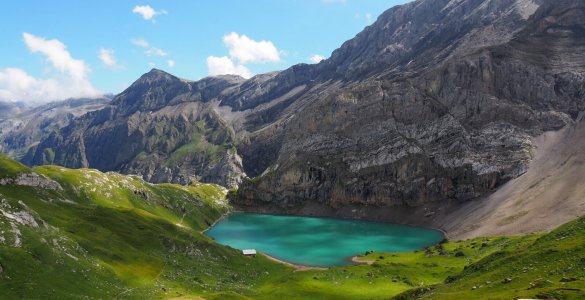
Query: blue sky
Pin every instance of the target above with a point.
(56, 49)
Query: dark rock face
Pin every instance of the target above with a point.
(437, 101)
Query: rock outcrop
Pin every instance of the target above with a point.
(31, 179)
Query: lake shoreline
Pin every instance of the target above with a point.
(223, 216)
(297, 267)
(443, 231)
(346, 244)
(330, 215)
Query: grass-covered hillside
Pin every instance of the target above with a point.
(10, 168)
(549, 266)
(108, 235)
(96, 235)
(553, 267)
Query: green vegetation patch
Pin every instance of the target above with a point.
(11, 168)
(114, 236)
(390, 274)
(208, 142)
(552, 267)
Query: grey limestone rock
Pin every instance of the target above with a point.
(33, 180)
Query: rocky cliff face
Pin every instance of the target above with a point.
(437, 101)
(444, 111)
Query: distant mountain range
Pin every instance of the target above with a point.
(437, 103)
(23, 126)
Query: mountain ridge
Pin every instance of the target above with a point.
(22, 127)
(436, 102)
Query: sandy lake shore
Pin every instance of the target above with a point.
(295, 266)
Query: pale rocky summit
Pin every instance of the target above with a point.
(437, 102)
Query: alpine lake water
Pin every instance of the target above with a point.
(320, 242)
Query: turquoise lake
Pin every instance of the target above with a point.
(318, 241)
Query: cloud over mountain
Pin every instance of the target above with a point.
(67, 76)
(242, 50)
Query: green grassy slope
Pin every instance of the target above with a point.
(108, 235)
(390, 273)
(553, 267)
(10, 168)
(114, 236)
(548, 266)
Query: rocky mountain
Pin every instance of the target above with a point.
(8, 109)
(437, 103)
(22, 127)
(444, 106)
(162, 127)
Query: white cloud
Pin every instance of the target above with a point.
(107, 57)
(369, 18)
(316, 58)
(245, 50)
(147, 12)
(57, 54)
(149, 49)
(224, 66)
(334, 1)
(68, 75)
(140, 42)
(170, 63)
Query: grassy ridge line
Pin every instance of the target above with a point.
(11, 168)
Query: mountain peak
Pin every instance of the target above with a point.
(157, 74)
(154, 77)
(407, 38)
(156, 71)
